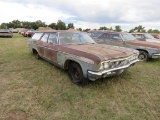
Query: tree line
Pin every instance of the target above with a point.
(60, 25)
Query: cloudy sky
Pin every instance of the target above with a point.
(85, 13)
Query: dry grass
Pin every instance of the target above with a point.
(44, 92)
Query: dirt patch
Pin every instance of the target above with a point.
(15, 115)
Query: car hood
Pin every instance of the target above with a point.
(98, 52)
(144, 43)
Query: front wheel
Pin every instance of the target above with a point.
(76, 74)
(143, 56)
(36, 55)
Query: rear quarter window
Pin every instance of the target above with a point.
(37, 36)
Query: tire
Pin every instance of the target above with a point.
(143, 56)
(36, 55)
(76, 75)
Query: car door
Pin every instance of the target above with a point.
(52, 46)
(140, 37)
(37, 43)
(115, 39)
(102, 38)
(43, 44)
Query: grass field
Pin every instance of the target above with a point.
(37, 90)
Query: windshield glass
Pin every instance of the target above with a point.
(74, 38)
(94, 34)
(149, 36)
(128, 37)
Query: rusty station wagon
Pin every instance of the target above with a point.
(78, 53)
(145, 37)
(146, 49)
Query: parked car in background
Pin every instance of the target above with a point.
(145, 37)
(5, 33)
(78, 53)
(146, 49)
(28, 33)
(155, 35)
(22, 32)
(96, 33)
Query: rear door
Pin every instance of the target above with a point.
(43, 44)
(52, 46)
(115, 39)
(140, 37)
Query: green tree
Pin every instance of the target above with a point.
(118, 28)
(70, 25)
(103, 28)
(4, 26)
(53, 26)
(61, 25)
(80, 29)
(131, 31)
(153, 31)
(86, 30)
(139, 28)
(16, 24)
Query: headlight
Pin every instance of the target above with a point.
(104, 65)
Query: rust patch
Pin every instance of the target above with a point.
(144, 43)
(97, 52)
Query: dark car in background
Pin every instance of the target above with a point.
(77, 53)
(5, 33)
(147, 49)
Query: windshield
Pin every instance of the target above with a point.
(128, 37)
(94, 34)
(74, 38)
(148, 36)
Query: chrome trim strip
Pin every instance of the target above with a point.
(158, 54)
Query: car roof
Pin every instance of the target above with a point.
(138, 33)
(113, 32)
(49, 31)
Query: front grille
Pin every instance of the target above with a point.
(122, 62)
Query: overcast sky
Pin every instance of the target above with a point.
(85, 13)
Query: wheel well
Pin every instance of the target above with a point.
(34, 51)
(143, 50)
(66, 64)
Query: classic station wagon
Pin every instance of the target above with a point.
(78, 53)
(146, 49)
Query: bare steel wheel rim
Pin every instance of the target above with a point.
(76, 76)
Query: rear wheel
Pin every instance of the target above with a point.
(143, 56)
(76, 74)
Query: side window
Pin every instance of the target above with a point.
(105, 36)
(52, 38)
(116, 37)
(45, 37)
(37, 36)
(138, 36)
(76, 39)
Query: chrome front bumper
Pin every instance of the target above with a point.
(156, 55)
(102, 74)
